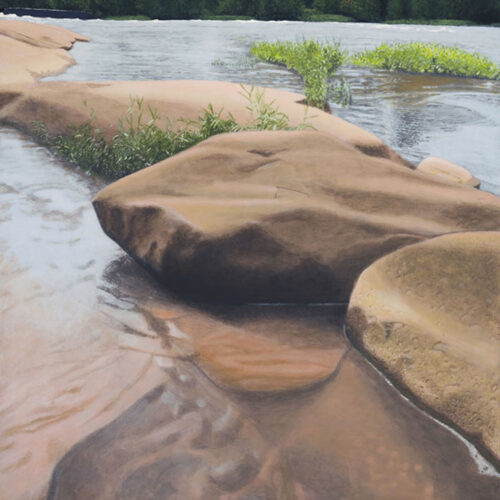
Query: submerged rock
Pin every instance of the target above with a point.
(260, 357)
(279, 216)
(447, 170)
(429, 316)
(352, 437)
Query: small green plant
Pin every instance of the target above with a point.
(218, 62)
(340, 92)
(314, 61)
(141, 142)
(417, 57)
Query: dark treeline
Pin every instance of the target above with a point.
(481, 11)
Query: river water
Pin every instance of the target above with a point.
(454, 118)
(76, 348)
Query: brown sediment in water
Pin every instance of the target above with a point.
(352, 436)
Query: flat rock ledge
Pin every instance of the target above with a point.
(30, 51)
(429, 316)
(62, 105)
(279, 216)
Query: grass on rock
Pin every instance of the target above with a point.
(141, 142)
(314, 61)
(418, 57)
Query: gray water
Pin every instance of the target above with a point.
(417, 115)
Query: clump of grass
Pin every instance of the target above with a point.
(417, 57)
(314, 61)
(141, 142)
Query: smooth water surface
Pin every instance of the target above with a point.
(74, 351)
(454, 118)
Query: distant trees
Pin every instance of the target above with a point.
(262, 9)
(483, 11)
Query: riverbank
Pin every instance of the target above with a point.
(255, 400)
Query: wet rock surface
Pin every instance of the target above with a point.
(279, 216)
(429, 315)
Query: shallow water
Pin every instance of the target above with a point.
(454, 118)
(66, 332)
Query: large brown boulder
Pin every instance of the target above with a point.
(429, 315)
(29, 51)
(279, 216)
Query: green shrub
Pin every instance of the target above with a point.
(417, 57)
(141, 142)
(314, 61)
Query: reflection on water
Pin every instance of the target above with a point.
(455, 118)
(65, 340)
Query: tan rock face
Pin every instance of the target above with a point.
(279, 216)
(429, 315)
(61, 105)
(30, 51)
(447, 170)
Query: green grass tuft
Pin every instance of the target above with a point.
(314, 61)
(417, 57)
(141, 142)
